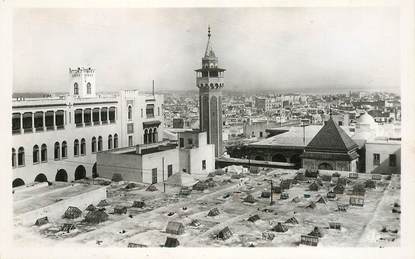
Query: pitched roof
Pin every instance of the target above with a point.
(331, 138)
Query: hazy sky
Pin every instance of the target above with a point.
(269, 48)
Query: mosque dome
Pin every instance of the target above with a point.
(366, 119)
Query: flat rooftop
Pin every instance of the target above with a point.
(360, 226)
(144, 149)
(294, 137)
(37, 198)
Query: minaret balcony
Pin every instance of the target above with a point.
(209, 80)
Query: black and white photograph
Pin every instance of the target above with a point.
(207, 127)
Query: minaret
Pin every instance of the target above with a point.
(210, 81)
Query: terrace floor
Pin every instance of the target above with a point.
(360, 225)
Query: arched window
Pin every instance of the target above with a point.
(87, 117)
(111, 114)
(75, 89)
(64, 150)
(35, 154)
(145, 136)
(88, 88)
(27, 122)
(44, 153)
(59, 119)
(115, 140)
(104, 115)
(76, 147)
(83, 147)
(78, 117)
(130, 112)
(99, 143)
(13, 157)
(39, 121)
(155, 137)
(57, 150)
(109, 142)
(150, 136)
(16, 125)
(95, 116)
(94, 145)
(49, 123)
(20, 156)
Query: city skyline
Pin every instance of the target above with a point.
(346, 49)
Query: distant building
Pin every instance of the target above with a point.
(210, 81)
(153, 163)
(340, 119)
(257, 129)
(263, 104)
(178, 123)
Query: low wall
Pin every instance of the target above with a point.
(56, 210)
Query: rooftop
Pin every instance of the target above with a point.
(293, 137)
(331, 138)
(144, 149)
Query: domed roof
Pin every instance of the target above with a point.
(365, 118)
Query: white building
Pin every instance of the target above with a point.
(156, 162)
(380, 145)
(57, 138)
(383, 156)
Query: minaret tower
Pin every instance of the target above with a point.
(210, 81)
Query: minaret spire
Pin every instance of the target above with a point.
(209, 50)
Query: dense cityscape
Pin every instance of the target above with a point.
(276, 110)
(205, 168)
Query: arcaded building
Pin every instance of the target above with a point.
(57, 138)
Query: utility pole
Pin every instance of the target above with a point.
(304, 125)
(162, 170)
(304, 135)
(272, 201)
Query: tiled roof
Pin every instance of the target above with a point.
(331, 138)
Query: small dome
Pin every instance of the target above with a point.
(365, 118)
